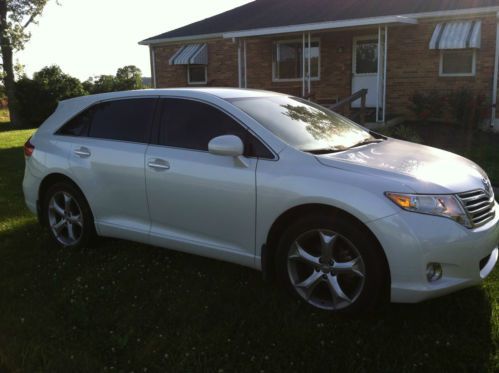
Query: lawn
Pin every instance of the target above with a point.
(122, 306)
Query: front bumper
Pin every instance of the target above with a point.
(411, 241)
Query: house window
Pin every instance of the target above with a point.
(288, 60)
(197, 74)
(458, 62)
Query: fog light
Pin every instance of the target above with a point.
(433, 272)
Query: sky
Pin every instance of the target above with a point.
(87, 38)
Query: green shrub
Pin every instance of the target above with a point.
(402, 132)
(38, 97)
(427, 105)
(469, 109)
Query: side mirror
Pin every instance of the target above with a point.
(229, 145)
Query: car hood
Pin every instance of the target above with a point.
(421, 168)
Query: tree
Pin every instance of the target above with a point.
(15, 17)
(38, 97)
(126, 78)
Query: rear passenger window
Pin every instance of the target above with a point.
(191, 124)
(79, 125)
(126, 120)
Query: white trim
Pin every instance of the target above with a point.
(320, 26)
(494, 87)
(199, 38)
(152, 56)
(473, 68)
(197, 83)
(302, 79)
(455, 12)
(411, 18)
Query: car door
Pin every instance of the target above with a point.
(201, 202)
(108, 165)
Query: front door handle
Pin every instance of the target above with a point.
(159, 164)
(82, 152)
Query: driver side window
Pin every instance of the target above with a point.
(190, 124)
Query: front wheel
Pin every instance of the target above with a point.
(331, 263)
(68, 216)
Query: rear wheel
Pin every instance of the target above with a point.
(68, 216)
(331, 263)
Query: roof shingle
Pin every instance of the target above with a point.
(276, 13)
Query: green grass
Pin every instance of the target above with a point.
(122, 306)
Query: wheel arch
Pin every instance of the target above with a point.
(46, 183)
(278, 227)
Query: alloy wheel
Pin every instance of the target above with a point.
(65, 218)
(326, 269)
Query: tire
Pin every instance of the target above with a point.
(67, 216)
(332, 263)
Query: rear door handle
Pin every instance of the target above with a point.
(159, 164)
(82, 152)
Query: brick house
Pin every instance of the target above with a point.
(329, 49)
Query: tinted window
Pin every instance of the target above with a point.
(191, 125)
(79, 125)
(126, 120)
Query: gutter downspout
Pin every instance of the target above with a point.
(494, 84)
(239, 64)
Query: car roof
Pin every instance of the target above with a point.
(223, 93)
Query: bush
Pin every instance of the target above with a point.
(402, 132)
(428, 105)
(468, 108)
(38, 97)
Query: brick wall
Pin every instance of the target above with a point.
(412, 66)
(222, 65)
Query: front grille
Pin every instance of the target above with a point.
(479, 206)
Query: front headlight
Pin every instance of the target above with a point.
(445, 205)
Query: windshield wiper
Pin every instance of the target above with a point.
(323, 151)
(366, 142)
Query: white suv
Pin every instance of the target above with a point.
(342, 216)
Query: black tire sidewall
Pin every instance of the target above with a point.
(88, 232)
(375, 267)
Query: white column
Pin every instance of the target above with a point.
(385, 64)
(239, 64)
(378, 75)
(245, 69)
(309, 72)
(494, 83)
(152, 56)
(303, 67)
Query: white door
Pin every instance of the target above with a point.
(107, 160)
(365, 69)
(200, 202)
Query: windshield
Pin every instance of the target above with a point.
(304, 125)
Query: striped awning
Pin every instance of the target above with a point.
(191, 54)
(457, 35)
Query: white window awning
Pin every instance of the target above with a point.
(191, 54)
(457, 35)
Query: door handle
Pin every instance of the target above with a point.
(82, 152)
(159, 164)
